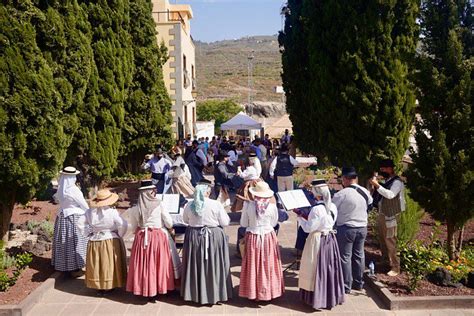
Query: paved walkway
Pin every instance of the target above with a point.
(71, 297)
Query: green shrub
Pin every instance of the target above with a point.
(32, 225)
(409, 220)
(6, 261)
(4, 281)
(47, 227)
(21, 262)
(415, 260)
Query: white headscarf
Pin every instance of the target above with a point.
(326, 194)
(66, 184)
(147, 203)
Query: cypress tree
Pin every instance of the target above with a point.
(95, 148)
(63, 35)
(442, 174)
(148, 106)
(293, 42)
(356, 104)
(32, 139)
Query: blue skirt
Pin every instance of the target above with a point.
(69, 245)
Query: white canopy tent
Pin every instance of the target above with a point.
(241, 121)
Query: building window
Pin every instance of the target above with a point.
(185, 114)
(193, 78)
(186, 79)
(194, 114)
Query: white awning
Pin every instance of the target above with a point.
(241, 121)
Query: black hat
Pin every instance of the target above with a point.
(205, 181)
(318, 183)
(195, 142)
(387, 163)
(252, 154)
(349, 172)
(146, 185)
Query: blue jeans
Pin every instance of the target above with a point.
(351, 247)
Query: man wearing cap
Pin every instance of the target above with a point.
(282, 167)
(222, 175)
(158, 166)
(390, 201)
(196, 162)
(352, 204)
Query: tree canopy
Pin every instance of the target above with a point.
(345, 74)
(218, 110)
(442, 175)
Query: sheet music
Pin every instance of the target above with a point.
(170, 202)
(293, 199)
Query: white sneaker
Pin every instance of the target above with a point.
(392, 273)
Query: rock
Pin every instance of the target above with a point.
(470, 280)
(265, 109)
(440, 277)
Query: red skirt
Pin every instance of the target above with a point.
(261, 278)
(151, 268)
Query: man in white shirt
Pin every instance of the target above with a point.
(263, 158)
(352, 204)
(390, 200)
(282, 167)
(159, 166)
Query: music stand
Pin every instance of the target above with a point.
(291, 200)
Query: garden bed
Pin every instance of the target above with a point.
(399, 285)
(40, 268)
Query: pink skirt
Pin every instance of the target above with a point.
(261, 278)
(151, 268)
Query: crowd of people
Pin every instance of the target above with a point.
(247, 176)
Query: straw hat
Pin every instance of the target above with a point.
(71, 171)
(319, 183)
(146, 185)
(261, 189)
(104, 198)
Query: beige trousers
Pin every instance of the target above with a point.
(388, 242)
(285, 183)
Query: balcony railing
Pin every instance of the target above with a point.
(170, 16)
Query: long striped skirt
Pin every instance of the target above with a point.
(151, 267)
(329, 283)
(69, 245)
(205, 276)
(261, 278)
(106, 266)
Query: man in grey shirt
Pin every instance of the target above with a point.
(352, 204)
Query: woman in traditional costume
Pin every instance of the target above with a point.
(261, 278)
(151, 270)
(251, 177)
(206, 277)
(106, 267)
(180, 178)
(69, 245)
(320, 279)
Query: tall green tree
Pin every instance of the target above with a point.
(293, 40)
(356, 103)
(148, 106)
(96, 145)
(218, 111)
(63, 35)
(32, 138)
(441, 178)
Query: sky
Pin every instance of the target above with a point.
(216, 20)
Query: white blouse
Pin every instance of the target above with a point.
(259, 225)
(250, 173)
(213, 215)
(318, 219)
(157, 218)
(104, 223)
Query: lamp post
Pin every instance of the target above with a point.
(250, 77)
